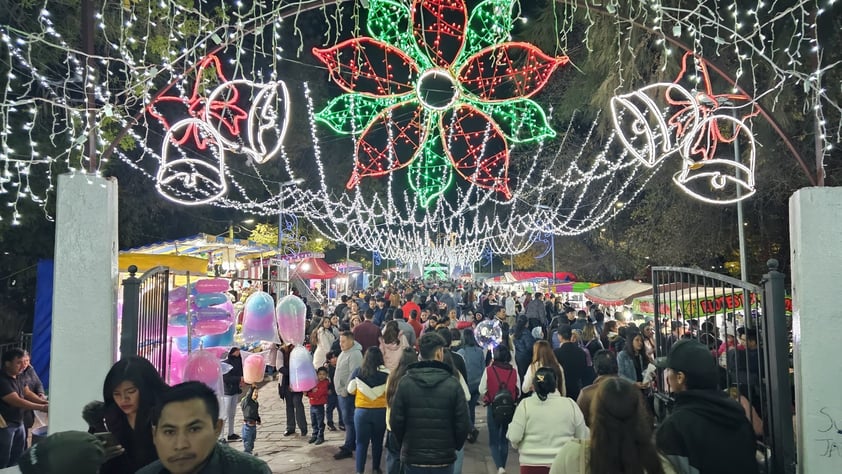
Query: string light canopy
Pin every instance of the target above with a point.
(475, 145)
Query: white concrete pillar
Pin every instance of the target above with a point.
(84, 333)
(815, 230)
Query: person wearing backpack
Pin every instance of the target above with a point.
(544, 423)
(499, 390)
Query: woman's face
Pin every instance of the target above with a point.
(326, 322)
(638, 343)
(127, 397)
(334, 320)
(478, 316)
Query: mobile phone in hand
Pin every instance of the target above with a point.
(108, 439)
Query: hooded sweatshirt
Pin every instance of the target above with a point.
(346, 363)
(429, 415)
(705, 422)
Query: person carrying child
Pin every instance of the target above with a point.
(251, 418)
(318, 399)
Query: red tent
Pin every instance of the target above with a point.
(314, 269)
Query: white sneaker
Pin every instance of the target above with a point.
(501, 470)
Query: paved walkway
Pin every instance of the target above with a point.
(294, 454)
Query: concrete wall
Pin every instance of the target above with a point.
(84, 299)
(816, 240)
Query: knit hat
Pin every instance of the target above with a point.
(695, 360)
(68, 452)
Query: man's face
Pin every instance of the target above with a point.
(571, 315)
(346, 343)
(381, 303)
(14, 366)
(675, 380)
(185, 435)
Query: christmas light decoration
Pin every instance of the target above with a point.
(217, 119)
(472, 86)
(154, 46)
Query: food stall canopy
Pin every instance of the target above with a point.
(616, 293)
(347, 267)
(574, 287)
(524, 276)
(202, 245)
(176, 263)
(314, 269)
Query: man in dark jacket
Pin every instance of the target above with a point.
(231, 383)
(705, 420)
(573, 361)
(429, 416)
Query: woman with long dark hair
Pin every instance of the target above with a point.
(499, 373)
(392, 344)
(544, 423)
(368, 385)
(130, 391)
(393, 452)
(474, 358)
(621, 437)
(632, 360)
(543, 356)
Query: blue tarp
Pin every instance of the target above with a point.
(42, 326)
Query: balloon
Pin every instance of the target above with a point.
(489, 333)
(203, 300)
(302, 375)
(259, 318)
(176, 369)
(177, 294)
(253, 368)
(178, 320)
(176, 307)
(203, 366)
(209, 314)
(176, 331)
(224, 339)
(211, 327)
(215, 285)
(292, 314)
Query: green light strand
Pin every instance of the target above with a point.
(520, 120)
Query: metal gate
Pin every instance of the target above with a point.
(144, 319)
(745, 326)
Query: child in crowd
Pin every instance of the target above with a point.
(251, 418)
(318, 399)
(332, 400)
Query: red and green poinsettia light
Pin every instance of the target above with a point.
(438, 90)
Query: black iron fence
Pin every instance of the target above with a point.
(24, 341)
(746, 328)
(144, 319)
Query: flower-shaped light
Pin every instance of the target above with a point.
(706, 103)
(437, 90)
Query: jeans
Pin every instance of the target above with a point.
(317, 420)
(12, 441)
(332, 404)
(393, 456)
(249, 435)
(460, 457)
(348, 417)
(370, 425)
(497, 440)
(428, 470)
(229, 411)
(472, 404)
(295, 411)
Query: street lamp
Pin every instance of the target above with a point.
(281, 187)
(552, 239)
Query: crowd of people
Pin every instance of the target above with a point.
(402, 370)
